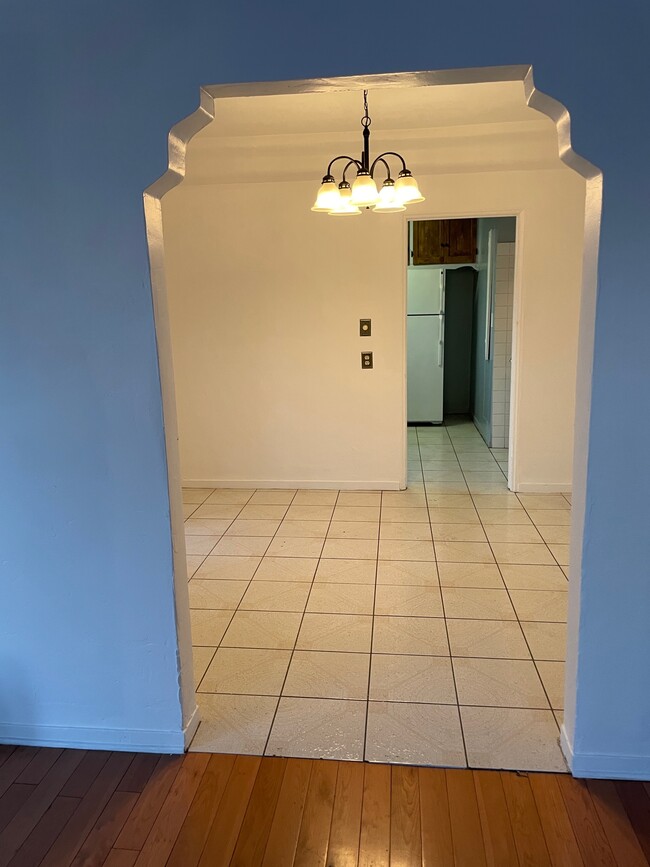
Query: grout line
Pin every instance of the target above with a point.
(372, 625)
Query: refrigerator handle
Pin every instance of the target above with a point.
(489, 295)
(440, 352)
(442, 294)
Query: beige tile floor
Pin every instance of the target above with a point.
(422, 627)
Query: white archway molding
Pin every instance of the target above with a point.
(179, 138)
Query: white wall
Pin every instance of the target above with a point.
(265, 299)
(503, 305)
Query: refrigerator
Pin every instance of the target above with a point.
(425, 335)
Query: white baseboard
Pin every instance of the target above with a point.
(191, 727)
(83, 738)
(543, 488)
(601, 766)
(304, 484)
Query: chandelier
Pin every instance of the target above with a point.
(343, 200)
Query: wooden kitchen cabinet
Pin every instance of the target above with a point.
(444, 242)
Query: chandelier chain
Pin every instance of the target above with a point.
(365, 120)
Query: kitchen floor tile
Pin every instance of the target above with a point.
(552, 674)
(272, 629)
(350, 549)
(315, 498)
(295, 547)
(403, 530)
(272, 498)
(404, 514)
(504, 516)
(234, 724)
(217, 510)
(328, 598)
(403, 499)
(425, 679)
(512, 533)
(512, 738)
(424, 636)
(534, 577)
(309, 513)
(543, 501)
(317, 728)
(353, 530)
(556, 535)
(208, 626)
(242, 546)
(477, 604)
(195, 545)
(514, 553)
(458, 533)
(247, 671)
(196, 495)
(413, 572)
(395, 549)
(230, 496)
(418, 601)
(544, 605)
(561, 553)
(249, 527)
(201, 658)
(414, 734)
(446, 515)
(359, 498)
(213, 593)
(328, 674)
(303, 529)
(342, 571)
(496, 639)
(228, 568)
(550, 517)
(287, 569)
(546, 640)
(463, 552)
(485, 575)
(356, 513)
(192, 563)
(266, 512)
(275, 596)
(498, 683)
(342, 632)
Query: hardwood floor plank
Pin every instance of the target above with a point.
(70, 840)
(194, 830)
(15, 764)
(466, 832)
(224, 831)
(85, 774)
(405, 831)
(12, 801)
(45, 833)
(253, 836)
(39, 766)
(5, 751)
(524, 819)
(313, 839)
(285, 825)
(593, 843)
(23, 823)
(437, 845)
(374, 844)
(616, 825)
(138, 773)
(636, 800)
(500, 848)
(100, 840)
(165, 830)
(557, 828)
(121, 858)
(143, 815)
(343, 849)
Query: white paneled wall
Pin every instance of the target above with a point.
(504, 288)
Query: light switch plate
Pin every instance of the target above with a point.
(365, 327)
(366, 360)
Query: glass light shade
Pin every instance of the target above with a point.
(406, 190)
(344, 208)
(388, 202)
(328, 196)
(364, 190)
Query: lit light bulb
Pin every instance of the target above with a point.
(406, 189)
(344, 208)
(328, 196)
(364, 190)
(388, 202)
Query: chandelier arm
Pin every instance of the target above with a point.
(350, 163)
(349, 159)
(380, 159)
(388, 154)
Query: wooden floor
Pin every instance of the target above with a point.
(70, 807)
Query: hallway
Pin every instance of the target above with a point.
(424, 627)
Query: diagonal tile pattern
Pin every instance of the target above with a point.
(424, 626)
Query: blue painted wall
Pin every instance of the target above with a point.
(89, 91)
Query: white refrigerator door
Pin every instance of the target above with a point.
(425, 289)
(425, 366)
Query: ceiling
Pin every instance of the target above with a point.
(440, 128)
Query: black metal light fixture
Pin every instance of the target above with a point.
(343, 200)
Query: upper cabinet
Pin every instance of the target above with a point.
(444, 242)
